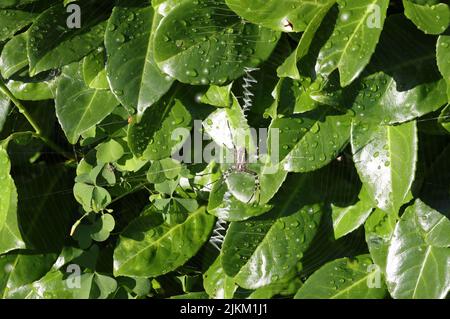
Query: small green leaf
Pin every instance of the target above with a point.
(79, 107)
(347, 219)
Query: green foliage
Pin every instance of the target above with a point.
(105, 188)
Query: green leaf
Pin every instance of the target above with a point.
(443, 59)
(149, 248)
(211, 49)
(217, 284)
(109, 152)
(379, 228)
(10, 234)
(343, 279)
(64, 45)
(218, 96)
(153, 137)
(137, 82)
(20, 269)
(311, 141)
(79, 107)
(284, 16)
(94, 72)
(444, 118)
(288, 288)
(347, 219)
(289, 67)
(385, 157)
(4, 109)
(402, 81)
(268, 248)
(419, 253)
(54, 285)
(14, 55)
(12, 21)
(356, 34)
(32, 91)
(431, 19)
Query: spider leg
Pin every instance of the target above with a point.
(257, 189)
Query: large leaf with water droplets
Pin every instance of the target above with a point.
(52, 44)
(284, 16)
(385, 157)
(402, 81)
(311, 141)
(137, 83)
(356, 33)
(432, 19)
(19, 269)
(268, 248)
(198, 43)
(419, 255)
(12, 21)
(79, 107)
(162, 129)
(344, 278)
(149, 247)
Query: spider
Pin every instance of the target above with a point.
(239, 177)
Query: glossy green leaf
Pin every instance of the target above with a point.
(12, 21)
(268, 248)
(79, 107)
(432, 19)
(10, 235)
(212, 48)
(4, 109)
(217, 96)
(64, 45)
(356, 34)
(289, 67)
(398, 88)
(217, 284)
(148, 247)
(285, 289)
(343, 279)
(379, 228)
(287, 16)
(32, 91)
(347, 219)
(14, 55)
(385, 157)
(154, 136)
(313, 140)
(20, 269)
(137, 82)
(419, 254)
(94, 72)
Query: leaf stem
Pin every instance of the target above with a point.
(37, 129)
